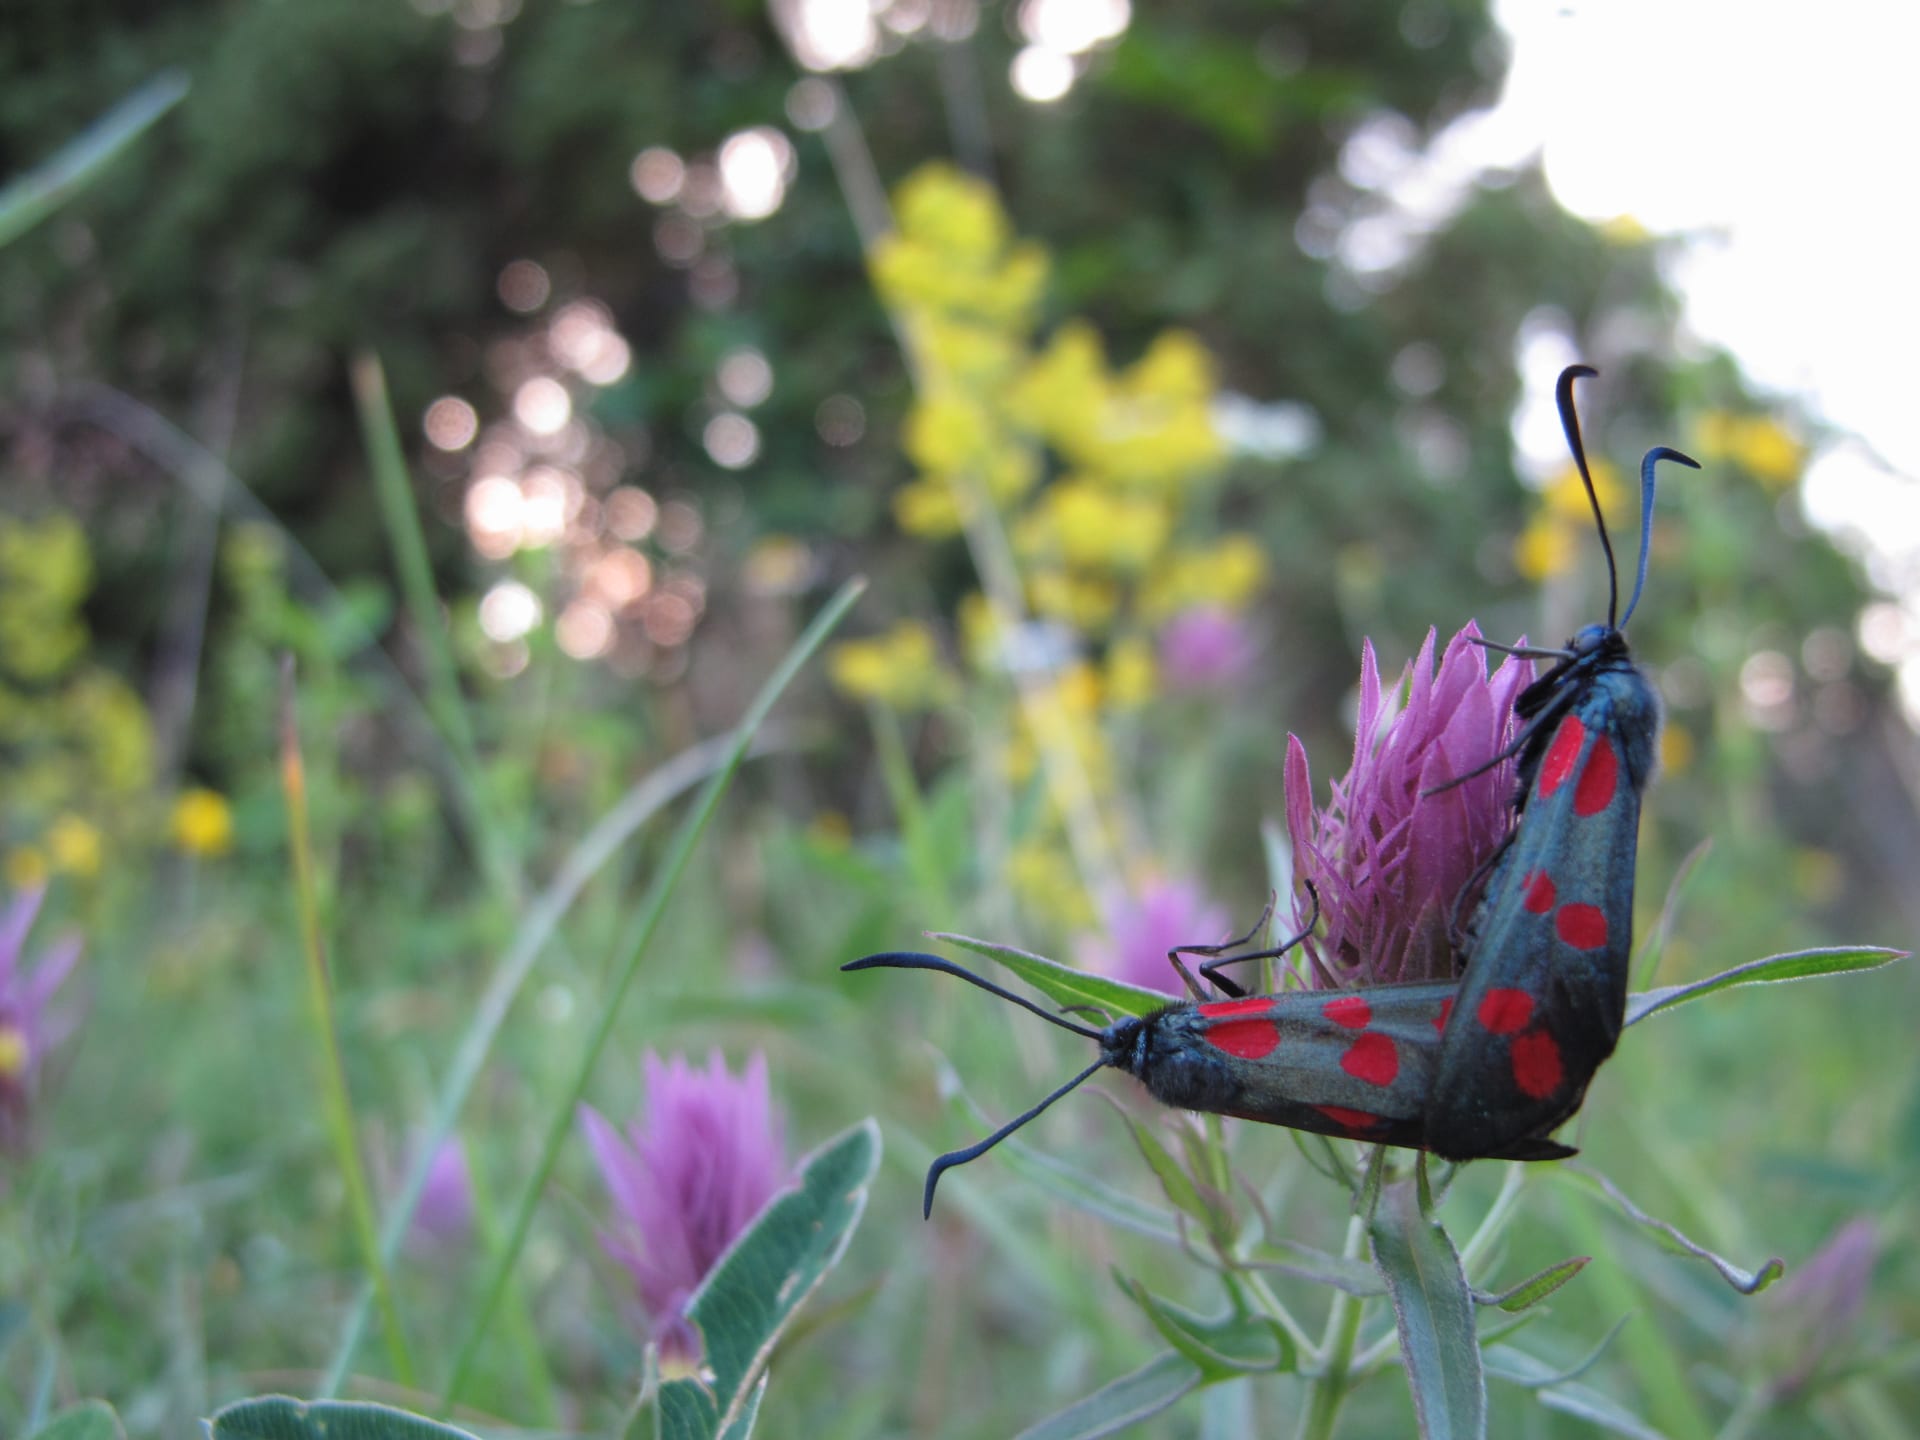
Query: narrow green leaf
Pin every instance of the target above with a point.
(1520, 1368)
(89, 1420)
(1582, 1401)
(26, 201)
(276, 1417)
(1354, 1277)
(1222, 1348)
(1534, 1288)
(685, 1410)
(1180, 1190)
(1747, 1282)
(742, 1426)
(1126, 1401)
(777, 1262)
(1062, 983)
(1433, 1310)
(1799, 965)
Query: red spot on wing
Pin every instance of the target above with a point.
(1565, 749)
(1536, 1064)
(1351, 1012)
(1246, 1005)
(1598, 781)
(1248, 1039)
(1540, 893)
(1582, 926)
(1349, 1120)
(1505, 1012)
(1372, 1058)
(1446, 1009)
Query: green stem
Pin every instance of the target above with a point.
(1495, 1220)
(1328, 1389)
(335, 1097)
(519, 1323)
(896, 772)
(652, 908)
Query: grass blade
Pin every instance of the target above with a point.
(25, 202)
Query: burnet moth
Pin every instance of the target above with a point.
(1545, 989)
(1356, 1064)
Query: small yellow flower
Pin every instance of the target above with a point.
(14, 1052)
(929, 509)
(1227, 574)
(1132, 674)
(1676, 749)
(1043, 878)
(1552, 540)
(25, 868)
(1085, 602)
(73, 846)
(202, 823)
(1546, 547)
(1767, 451)
(901, 668)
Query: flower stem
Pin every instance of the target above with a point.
(1329, 1389)
(335, 1097)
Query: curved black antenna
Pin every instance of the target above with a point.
(1653, 458)
(1570, 422)
(914, 960)
(974, 1152)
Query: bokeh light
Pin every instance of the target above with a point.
(841, 420)
(584, 630)
(1073, 27)
(1041, 75)
(756, 167)
(745, 377)
(657, 175)
(450, 424)
(509, 611)
(731, 440)
(542, 405)
(523, 286)
(631, 513)
(828, 34)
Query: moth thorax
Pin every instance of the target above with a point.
(1177, 1066)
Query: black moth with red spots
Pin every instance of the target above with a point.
(1545, 990)
(1358, 1064)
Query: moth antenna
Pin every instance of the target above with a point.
(913, 960)
(1570, 422)
(1525, 652)
(974, 1152)
(1653, 458)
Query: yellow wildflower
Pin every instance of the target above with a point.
(1132, 675)
(1063, 394)
(45, 573)
(1769, 453)
(1086, 602)
(1090, 527)
(957, 213)
(1676, 749)
(202, 823)
(929, 508)
(901, 668)
(1552, 540)
(25, 868)
(73, 846)
(948, 432)
(1545, 547)
(1043, 878)
(1227, 574)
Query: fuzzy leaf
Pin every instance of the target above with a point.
(1800, 965)
(1581, 1401)
(755, 1288)
(276, 1417)
(89, 1420)
(1747, 1282)
(1222, 1348)
(1062, 983)
(1534, 1288)
(1433, 1310)
(1178, 1185)
(1126, 1401)
(1355, 1277)
(1519, 1368)
(742, 1427)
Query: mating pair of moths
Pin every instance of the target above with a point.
(1483, 1066)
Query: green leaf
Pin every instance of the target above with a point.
(752, 1292)
(1126, 1401)
(1178, 1185)
(1355, 1277)
(1534, 1288)
(28, 200)
(1519, 1368)
(1221, 1348)
(1580, 1401)
(1433, 1309)
(742, 1427)
(1063, 984)
(276, 1417)
(1799, 965)
(89, 1420)
(1747, 1282)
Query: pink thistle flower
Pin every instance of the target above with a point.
(28, 1030)
(1388, 854)
(1140, 929)
(1206, 648)
(1808, 1316)
(685, 1180)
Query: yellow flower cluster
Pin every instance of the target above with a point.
(1094, 473)
(202, 823)
(1551, 543)
(1758, 444)
(901, 668)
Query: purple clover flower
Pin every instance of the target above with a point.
(1387, 854)
(28, 1030)
(685, 1180)
(1205, 648)
(443, 1219)
(1140, 928)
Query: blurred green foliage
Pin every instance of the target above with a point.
(356, 176)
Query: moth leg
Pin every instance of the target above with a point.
(1456, 932)
(1228, 986)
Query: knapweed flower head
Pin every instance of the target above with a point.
(28, 1028)
(1140, 928)
(1807, 1317)
(443, 1219)
(1391, 850)
(685, 1178)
